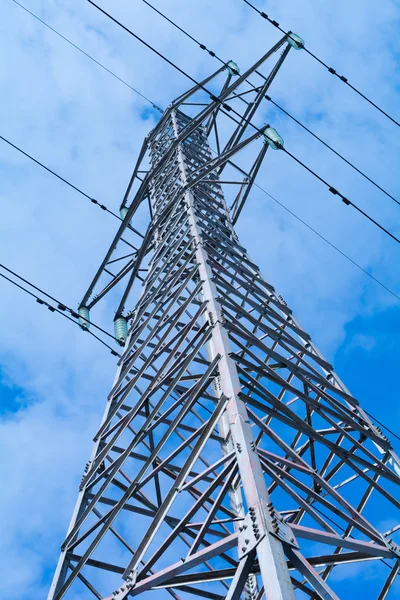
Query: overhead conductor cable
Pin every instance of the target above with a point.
(329, 69)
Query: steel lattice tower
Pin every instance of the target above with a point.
(231, 461)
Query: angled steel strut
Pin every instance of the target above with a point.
(231, 462)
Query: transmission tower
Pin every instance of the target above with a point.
(231, 462)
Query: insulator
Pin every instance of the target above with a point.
(123, 212)
(84, 317)
(233, 68)
(295, 41)
(273, 139)
(121, 330)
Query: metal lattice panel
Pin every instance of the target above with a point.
(231, 461)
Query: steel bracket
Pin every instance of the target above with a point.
(393, 547)
(280, 529)
(251, 531)
(130, 581)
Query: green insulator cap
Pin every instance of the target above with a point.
(122, 212)
(84, 317)
(273, 139)
(120, 330)
(233, 68)
(295, 41)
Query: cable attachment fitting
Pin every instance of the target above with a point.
(84, 317)
(273, 139)
(120, 329)
(295, 41)
(233, 68)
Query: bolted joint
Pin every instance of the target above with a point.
(217, 384)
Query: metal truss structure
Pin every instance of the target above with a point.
(231, 461)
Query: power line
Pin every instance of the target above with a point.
(382, 425)
(342, 529)
(202, 46)
(71, 185)
(327, 241)
(255, 184)
(61, 305)
(230, 109)
(172, 64)
(331, 149)
(344, 199)
(74, 187)
(327, 67)
(88, 56)
(316, 232)
(61, 308)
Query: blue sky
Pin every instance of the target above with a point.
(80, 121)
